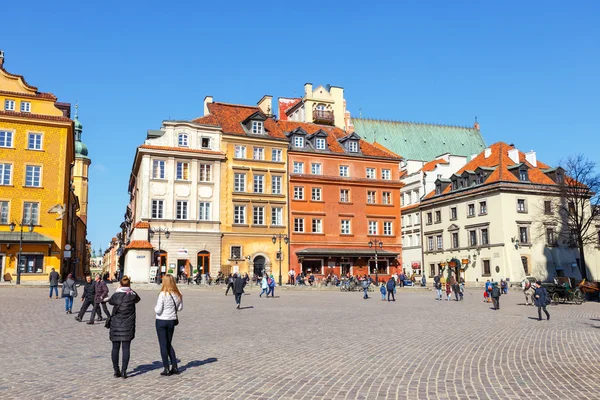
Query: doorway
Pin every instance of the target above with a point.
(259, 266)
(203, 262)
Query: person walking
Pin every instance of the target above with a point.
(488, 289)
(365, 286)
(496, 293)
(461, 287)
(271, 283)
(89, 292)
(122, 324)
(448, 291)
(100, 298)
(238, 289)
(382, 290)
(53, 279)
(438, 287)
(541, 300)
(391, 287)
(264, 285)
(69, 290)
(169, 302)
(456, 289)
(229, 284)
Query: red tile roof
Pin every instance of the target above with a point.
(139, 244)
(430, 166)
(199, 151)
(37, 94)
(35, 116)
(19, 77)
(142, 225)
(286, 105)
(408, 208)
(207, 120)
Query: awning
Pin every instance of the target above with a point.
(28, 237)
(345, 253)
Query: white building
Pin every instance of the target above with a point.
(174, 186)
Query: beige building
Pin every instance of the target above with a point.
(487, 220)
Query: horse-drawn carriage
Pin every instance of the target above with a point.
(564, 289)
(590, 288)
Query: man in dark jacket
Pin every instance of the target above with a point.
(496, 292)
(391, 285)
(53, 278)
(100, 298)
(89, 292)
(238, 289)
(365, 286)
(229, 284)
(541, 300)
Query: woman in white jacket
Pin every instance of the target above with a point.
(169, 302)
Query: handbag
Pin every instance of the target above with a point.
(175, 305)
(109, 318)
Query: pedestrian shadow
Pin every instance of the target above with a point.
(534, 318)
(142, 369)
(197, 363)
(244, 308)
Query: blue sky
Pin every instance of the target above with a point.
(527, 70)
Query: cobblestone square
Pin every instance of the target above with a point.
(308, 344)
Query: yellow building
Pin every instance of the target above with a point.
(253, 190)
(37, 208)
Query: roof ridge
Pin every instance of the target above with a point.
(391, 121)
(234, 105)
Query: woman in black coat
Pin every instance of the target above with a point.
(122, 324)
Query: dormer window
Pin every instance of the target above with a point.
(258, 128)
(298, 141)
(438, 188)
(479, 178)
(559, 177)
(523, 175)
(320, 144)
(454, 184)
(182, 140)
(205, 143)
(466, 182)
(353, 146)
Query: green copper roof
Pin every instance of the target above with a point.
(416, 141)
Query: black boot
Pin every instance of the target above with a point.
(117, 373)
(165, 372)
(174, 370)
(124, 374)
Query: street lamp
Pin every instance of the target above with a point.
(380, 245)
(160, 232)
(280, 236)
(12, 226)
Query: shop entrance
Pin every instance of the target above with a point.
(259, 266)
(203, 262)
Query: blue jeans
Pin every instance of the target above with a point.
(68, 303)
(271, 291)
(366, 296)
(264, 291)
(383, 296)
(55, 288)
(439, 293)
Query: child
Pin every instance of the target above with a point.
(448, 291)
(382, 290)
(485, 296)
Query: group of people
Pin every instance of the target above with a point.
(452, 285)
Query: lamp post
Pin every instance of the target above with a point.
(160, 232)
(280, 237)
(12, 226)
(380, 245)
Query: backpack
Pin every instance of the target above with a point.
(495, 291)
(269, 281)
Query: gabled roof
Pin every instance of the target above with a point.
(352, 136)
(417, 141)
(319, 133)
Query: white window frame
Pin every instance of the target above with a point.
(277, 216)
(239, 214)
(344, 195)
(483, 207)
(9, 105)
(258, 215)
(4, 211)
(471, 206)
(316, 194)
(439, 242)
(298, 141)
(182, 210)
(6, 174)
(258, 127)
(388, 228)
(373, 225)
(276, 184)
(31, 212)
(158, 209)
(183, 140)
(321, 144)
(386, 174)
(33, 176)
(239, 151)
(258, 153)
(205, 173)
(344, 171)
(202, 139)
(25, 106)
(371, 197)
(345, 227)
(298, 192)
(316, 169)
(317, 225)
(204, 211)
(386, 198)
(371, 173)
(7, 139)
(299, 225)
(239, 182)
(353, 146)
(298, 167)
(182, 168)
(276, 155)
(258, 184)
(158, 166)
(37, 141)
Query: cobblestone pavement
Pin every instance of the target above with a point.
(308, 345)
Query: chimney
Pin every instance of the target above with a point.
(1, 58)
(266, 105)
(531, 158)
(207, 100)
(308, 91)
(513, 154)
(487, 152)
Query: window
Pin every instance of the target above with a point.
(480, 178)
(438, 188)
(471, 210)
(523, 234)
(276, 155)
(316, 194)
(158, 169)
(372, 227)
(353, 146)
(258, 127)
(550, 237)
(277, 216)
(472, 238)
(523, 175)
(320, 144)
(370, 173)
(239, 182)
(482, 207)
(431, 270)
(3, 212)
(258, 216)
(401, 200)
(439, 242)
(408, 198)
(454, 184)
(236, 252)
(298, 141)
(181, 210)
(571, 207)
(183, 171)
(345, 227)
(158, 209)
(205, 143)
(9, 105)
(33, 175)
(547, 207)
(438, 217)
(429, 218)
(298, 167)
(408, 241)
(417, 218)
(409, 220)
(344, 171)
(182, 140)
(315, 169)
(259, 153)
(317, 226)
(371, 194)
(484, 237)
(5, 174)
(35, 141)
(452, 213)
(387, 228)
(240, 152)
(430, 243)
(386, 174)
(31, 212)
(486, 268)
(205, 173)
(521, 206)
(276, 184)
(298, 192)
(25, 106)
(259, 183)
(386, 198)
(298, 224)
(455, 243)
(239, 215)
(204, 211)
(344, 196)
(5, 139)
(31, 263)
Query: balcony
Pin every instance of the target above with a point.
(323, 117)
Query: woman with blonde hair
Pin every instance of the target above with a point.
(169, 302)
